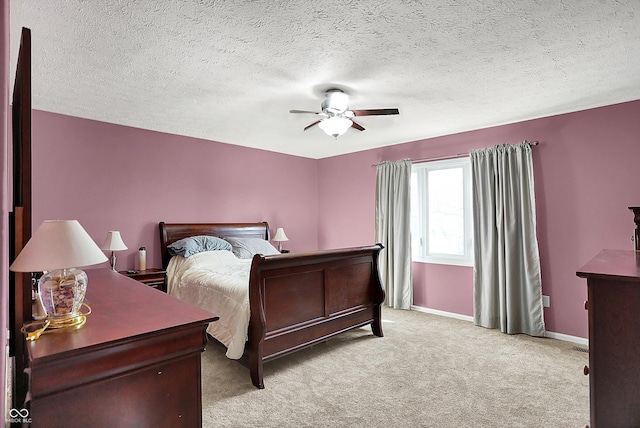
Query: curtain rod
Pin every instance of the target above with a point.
(457, 155)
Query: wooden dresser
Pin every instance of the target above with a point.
(135, 363)
(613, 281)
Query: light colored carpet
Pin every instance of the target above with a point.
(428, 371)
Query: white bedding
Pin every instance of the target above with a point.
(219, 282)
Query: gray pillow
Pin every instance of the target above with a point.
(246, 248)
(186, 247)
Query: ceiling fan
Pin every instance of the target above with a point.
(337, 117)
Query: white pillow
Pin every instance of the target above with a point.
(246, 248)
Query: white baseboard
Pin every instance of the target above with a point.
(442, 313)
(549, 334)
(568, 338)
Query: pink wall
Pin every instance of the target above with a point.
(586, 177)
(112, 177)
(347, 187)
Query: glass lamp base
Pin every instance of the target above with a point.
(61, 295)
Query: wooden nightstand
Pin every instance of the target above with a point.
(155, 278)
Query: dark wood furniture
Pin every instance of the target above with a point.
(298, 299)
(20, 218)
(613, 282)
(136, 361)
(155, 278)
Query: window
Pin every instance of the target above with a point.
(441, 212)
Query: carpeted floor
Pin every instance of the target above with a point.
(428, 371)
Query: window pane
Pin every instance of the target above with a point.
(440, 227)
(446, 211)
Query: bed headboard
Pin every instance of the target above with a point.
(171, 232)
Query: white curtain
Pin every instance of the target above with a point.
(393, 230)
(507, 283)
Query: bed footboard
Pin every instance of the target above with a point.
(297, 300)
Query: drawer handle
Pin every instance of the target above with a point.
(586, 370)
(586, 305)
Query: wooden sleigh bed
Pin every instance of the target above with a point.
(297, 300)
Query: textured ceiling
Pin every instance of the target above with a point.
(230, 71)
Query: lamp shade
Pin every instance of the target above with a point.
(58, 244)
(335, 126)
(280, 235)
(113, 242)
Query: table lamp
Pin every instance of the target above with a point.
(279, 237)
(113, 243)
(57, 248)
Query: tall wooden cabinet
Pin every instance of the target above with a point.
(613, 282)
(135, 363)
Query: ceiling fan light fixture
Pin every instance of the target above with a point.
(335, 126)
(338, 118)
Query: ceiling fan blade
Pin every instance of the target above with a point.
(313, 124)
(376, 112)
(305, 111)
(357, 126)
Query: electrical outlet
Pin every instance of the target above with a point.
(546, 302)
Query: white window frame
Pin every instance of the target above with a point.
(422, 169)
